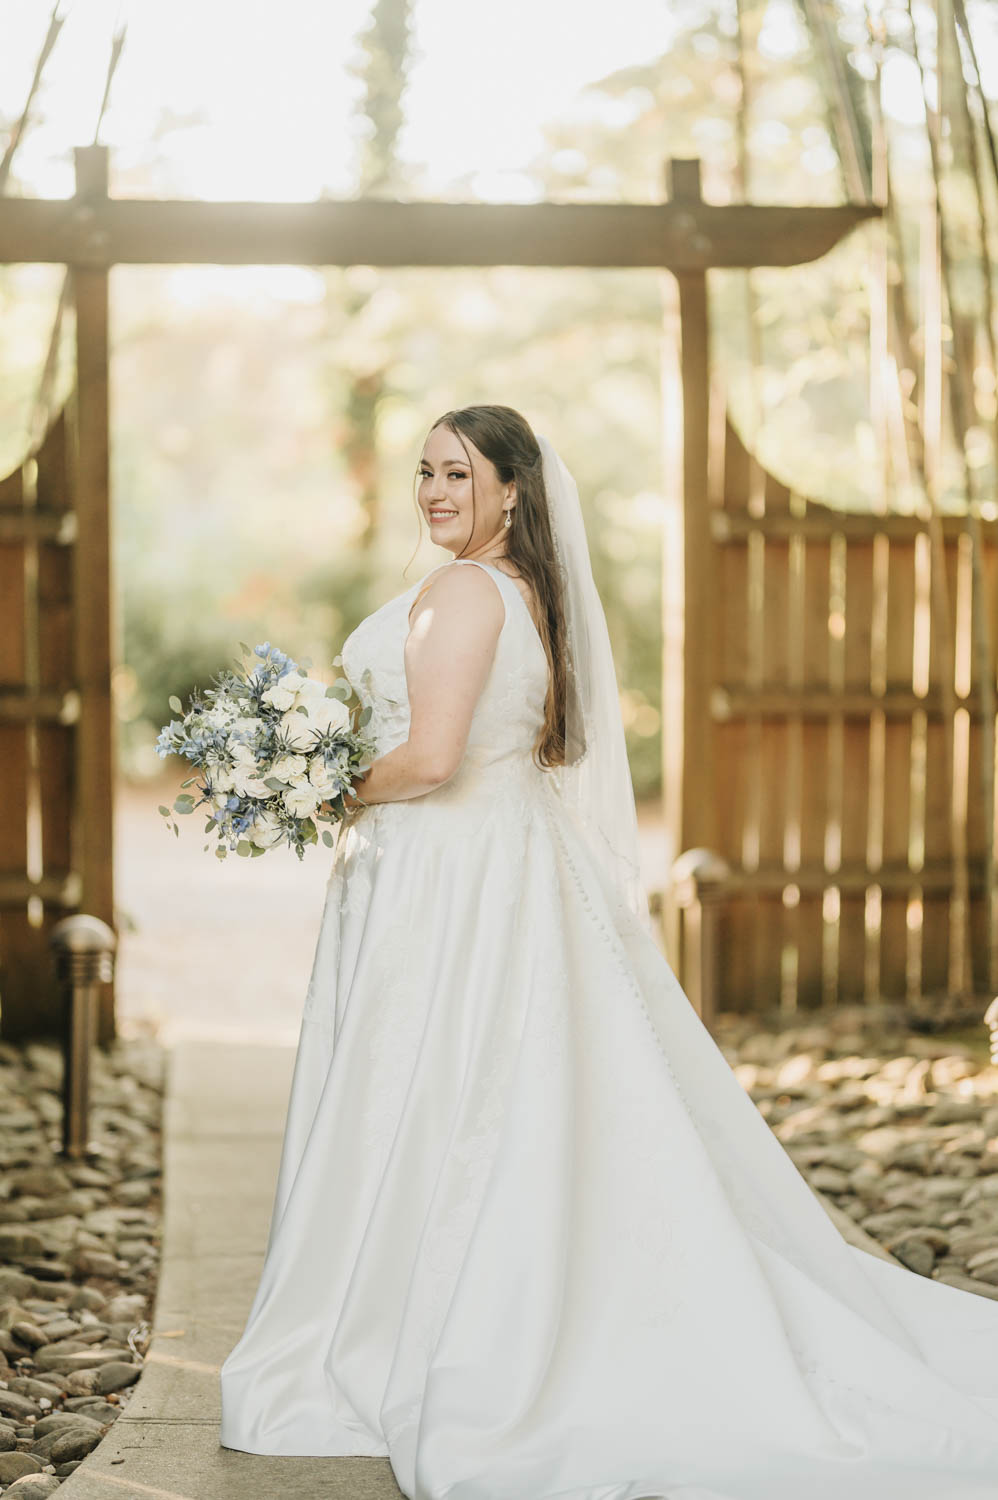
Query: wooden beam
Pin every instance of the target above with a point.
(934, 878)
(730, 526)
(685, 235)
(92, 588)
(735, 701)
(38, 525)
(18, 705)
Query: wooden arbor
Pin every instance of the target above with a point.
(91, 232)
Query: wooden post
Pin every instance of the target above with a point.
(688, 748)
(699, 877)
(92, 591)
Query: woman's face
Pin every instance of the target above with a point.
(445, 495)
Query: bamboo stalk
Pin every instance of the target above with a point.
(956, 390)
(20, 126)
(984, 644)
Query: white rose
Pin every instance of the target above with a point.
(280, 695)
(265, 830)
(222, 779)
(319, 775)
(219, 799)
(290, 768)
(311, 688)
(243, 755)
(299, 730)
(301, 800)
(328, 713)
(245, 784)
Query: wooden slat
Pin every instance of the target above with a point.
(897, 768)
(737, 764)
(680, 237)
(939, 792)
(774, 765)
(55, 600)
(12, 618)
(814, 798)
(855, 767)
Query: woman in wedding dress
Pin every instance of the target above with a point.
(531, 1238)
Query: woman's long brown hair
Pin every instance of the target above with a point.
(507, 440)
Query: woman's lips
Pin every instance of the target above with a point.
(442, 515)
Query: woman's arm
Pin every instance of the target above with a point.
(449, 651)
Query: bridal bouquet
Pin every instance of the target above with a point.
(275, 749)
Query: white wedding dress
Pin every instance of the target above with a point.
(531, 1238)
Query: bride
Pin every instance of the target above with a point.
(531, 1238)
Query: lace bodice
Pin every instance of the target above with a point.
(510, 709)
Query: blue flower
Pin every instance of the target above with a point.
(263, 650)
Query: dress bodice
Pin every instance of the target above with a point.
(510, 708)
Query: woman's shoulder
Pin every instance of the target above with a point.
(465, 586)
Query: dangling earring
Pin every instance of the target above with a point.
(509, 517)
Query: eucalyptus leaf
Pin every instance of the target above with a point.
(339, 690)
(243, 647)
(221, 852)
(243, 848)
(175, 704)
(327, 838)
(365, 716)
(164, 810)
(183, 807)
(274, 784)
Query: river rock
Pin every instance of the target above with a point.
(917, 1254)
(115, 1376)
(13, 1404)
(33, 1487)
(13, 1465)
(76, 1442)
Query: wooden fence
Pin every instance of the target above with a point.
(842, 733)
(54, 707)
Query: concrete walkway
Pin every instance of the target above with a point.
(224, 1118)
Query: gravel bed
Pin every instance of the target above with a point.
(79, 1255)
(899, 1130)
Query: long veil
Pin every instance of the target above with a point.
(596, 779)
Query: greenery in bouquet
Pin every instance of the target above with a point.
(276, 752)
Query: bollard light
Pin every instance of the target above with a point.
(84, 957)
(991, 1021)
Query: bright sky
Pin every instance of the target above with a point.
(278, 102)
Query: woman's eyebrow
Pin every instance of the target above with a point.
(453, 463)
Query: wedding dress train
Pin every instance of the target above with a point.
(531, 1238)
